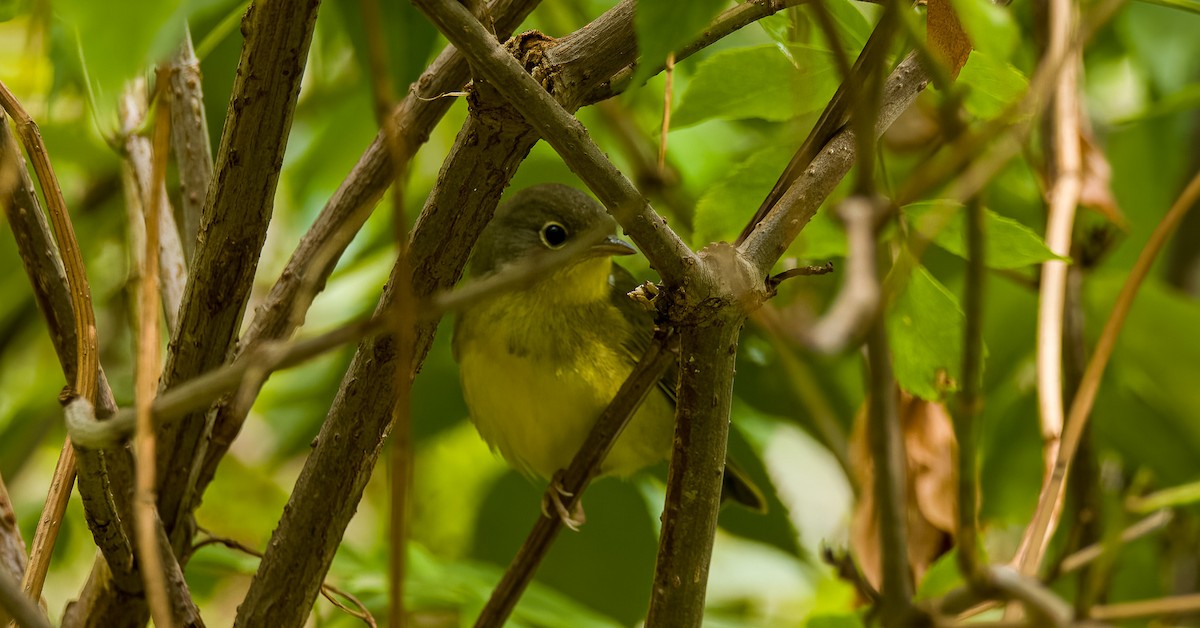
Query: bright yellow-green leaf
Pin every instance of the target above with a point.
(989, 26)
(758, 82)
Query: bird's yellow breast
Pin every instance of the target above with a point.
(536, 377)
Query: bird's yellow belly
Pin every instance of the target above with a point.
(537, 414)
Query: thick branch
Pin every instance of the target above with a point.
(707, 356)
(233, 227)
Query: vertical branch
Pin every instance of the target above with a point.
(887, 450)
(1050, 502)
(140, 193)
(146, 384)
(405, 319)
(87, 362)
(707, 356)
(970, 399)
(189, 138)
(1064, 197)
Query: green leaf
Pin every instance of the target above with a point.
(768, 82)
(992, 85)
(115, 54)
(852, 26)
(1009, 244)
(989, 26)
(664, 26)
(729, 203)
(942, 577)
(925, 331)
(840, 620)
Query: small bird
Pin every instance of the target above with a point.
(540, 363)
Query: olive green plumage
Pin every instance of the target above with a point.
(538, 365)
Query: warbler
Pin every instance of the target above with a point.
(540, 363)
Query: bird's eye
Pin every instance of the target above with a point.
(554, 235)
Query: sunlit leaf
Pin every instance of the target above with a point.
(757, 82)
(990, 26)
(992, 85)
(1009, 244)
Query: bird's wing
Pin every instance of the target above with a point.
(641, 323)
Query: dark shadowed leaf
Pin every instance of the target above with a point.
(925, 326)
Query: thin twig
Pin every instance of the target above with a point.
(970, 399)
(328, 590)
(887, 452)
(1165, 606)
(1064, 197)
(146, 383)
(668, 90)
(106, 510)
(1042, 525)
(404, 323)
(250, 370)
(87, 360)
(575, 479)
(856, 305)
(140, 194)
(1150, 524)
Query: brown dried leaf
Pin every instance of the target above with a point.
(946, 36)
(1095, 190)
(932, 495)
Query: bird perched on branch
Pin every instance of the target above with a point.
(540, 363)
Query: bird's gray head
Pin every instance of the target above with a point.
(543, 218)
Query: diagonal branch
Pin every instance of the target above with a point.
(774, 233)
(666, 251)
(575, 479)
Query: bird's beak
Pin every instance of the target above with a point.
(612, 245)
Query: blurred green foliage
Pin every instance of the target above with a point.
(741, 108)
